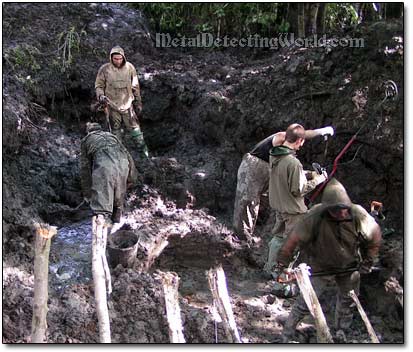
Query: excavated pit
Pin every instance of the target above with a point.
(202, 112)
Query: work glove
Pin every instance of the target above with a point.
(102, 99)
(137, 105)
(321, 178)
(325, 131)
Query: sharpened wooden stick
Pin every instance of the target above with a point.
(173, 312)
(99, 277)
(366, 320)
(310, 297)
(44, 234)
(218, 286)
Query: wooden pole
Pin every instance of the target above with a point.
(44, 233)
(366, 320)
(310, 297)
(173, 312)
(218, 286)
(99, 229)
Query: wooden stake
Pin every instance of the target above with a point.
(366, 320)
(218, 286)
(310, 297)
(100, 276)
(44, 233)
(173, 312)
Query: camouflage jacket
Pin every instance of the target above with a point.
(120, 85)
(96, 143)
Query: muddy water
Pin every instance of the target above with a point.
(71, 256)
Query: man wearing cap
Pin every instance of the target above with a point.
(338, 240)
(253, 180)
(287, 186)
(106, 170)
(117, 85)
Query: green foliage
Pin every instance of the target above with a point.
(68, 43)
(232, 19)
(23, 57)
(340, 15)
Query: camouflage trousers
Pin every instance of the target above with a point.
(109, 182)
(252, 182)
(131, 123)
(283, 226)
(343, 310)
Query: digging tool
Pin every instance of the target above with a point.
(366, 320)
(288, 275)
(391, 92)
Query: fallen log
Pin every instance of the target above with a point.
(303, 280)
(170, 283)
(101, 276)
(218, 286)
(44, 234)
(366, 320)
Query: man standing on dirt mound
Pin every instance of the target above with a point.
(287, 186)
(339, 240)
(106, 170)
(253, 180)
(117, 85)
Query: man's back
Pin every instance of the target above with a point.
(285, 182)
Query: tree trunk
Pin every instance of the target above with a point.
(393, 10)
(321, 18)
(173, 312)
(310, 297)
(292, 17)
(218, 286)
(44, 233)
(301, 20)
(311, 18)
(100, 276)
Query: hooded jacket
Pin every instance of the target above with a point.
(327, 244)
(120, 85)
(288, 183)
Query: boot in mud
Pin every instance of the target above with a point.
(290, 333)
(137, 137)
(117, 214)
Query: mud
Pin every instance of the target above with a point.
(202, 111)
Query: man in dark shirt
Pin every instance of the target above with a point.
(253, 180)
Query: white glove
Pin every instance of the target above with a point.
(321, 178)
(329, 130)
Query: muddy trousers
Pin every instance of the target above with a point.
(130, 120)
(343, 312)
(283, 226)
(252, 182)
(109, 180)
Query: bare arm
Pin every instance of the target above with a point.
(278, 139)
(286, 251)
